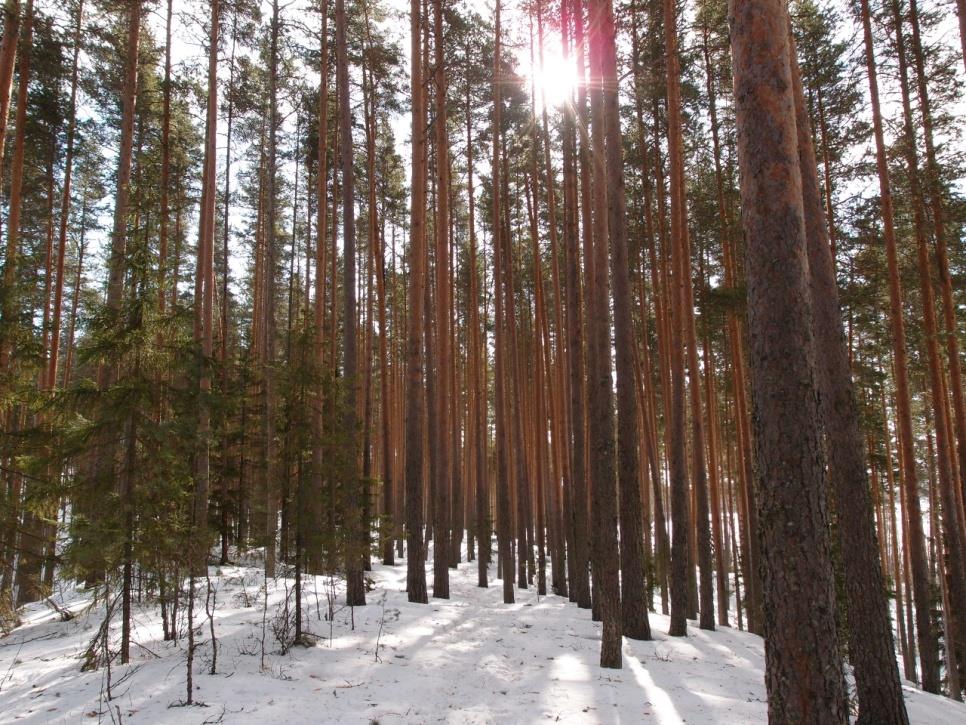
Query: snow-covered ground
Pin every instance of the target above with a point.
(470, 659)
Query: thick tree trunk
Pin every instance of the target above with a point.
(804, 674)
(871, 646)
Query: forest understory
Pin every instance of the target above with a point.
(467, 660)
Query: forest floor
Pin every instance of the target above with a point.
(470, 659)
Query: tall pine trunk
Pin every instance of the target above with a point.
(680, 554)
(803, 668)
(605, 557)
(415, 406)
(952, 525)
(65, 203)
(444, 401)
(634, 603)
(928, 646)
(8, 307)
(870, 641)
(357, 526)
(204, 303)
(267, 311)
(8, 59)
(580, 583)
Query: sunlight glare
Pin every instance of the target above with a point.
(556, 80)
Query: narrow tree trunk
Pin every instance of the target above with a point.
(267, 327)
(938, 210)
(8, 311)
(677, 414)
(75, 293)
(633, 600)
(117, 260)
(65, 204)
(477, 347)
(604, 509)
(662, 547)
(415, 552)
(205, 303)
(358, 535)
(8, 60)
(444, 401)
(504, 511)
(164, 219)
(952, 525)
(908, 657)
(318, 319)
(580, 583)
(928, 646)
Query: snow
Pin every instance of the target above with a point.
(471, 659)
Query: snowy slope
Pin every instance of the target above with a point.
(471, 659)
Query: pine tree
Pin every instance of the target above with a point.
(796, 567)
(415, 553)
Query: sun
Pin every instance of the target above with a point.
(555, 80)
